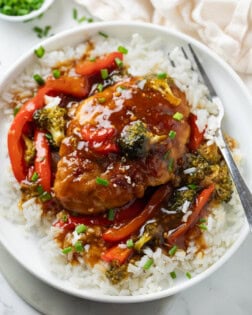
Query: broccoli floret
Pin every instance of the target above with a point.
(223, 182)
(134, 141)
(52, 119)
(200, 168)
(210, 153)
(117, 272)
(180, 197)
(30, 150)
(151, 230)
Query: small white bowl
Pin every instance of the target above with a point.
(31, 15)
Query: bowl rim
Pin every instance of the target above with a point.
(26, 58)
(20, 18)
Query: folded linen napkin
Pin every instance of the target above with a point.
(223, 25)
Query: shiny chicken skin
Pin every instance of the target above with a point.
(83, 163)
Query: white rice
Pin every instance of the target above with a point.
(224, 223)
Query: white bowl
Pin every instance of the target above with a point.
(237, 102)
(31, 15)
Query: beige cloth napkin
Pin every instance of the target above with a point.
(223, 25)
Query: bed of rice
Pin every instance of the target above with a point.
(223, 225)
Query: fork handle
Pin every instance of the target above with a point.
(242, 188)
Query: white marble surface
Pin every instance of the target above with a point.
(228, 291)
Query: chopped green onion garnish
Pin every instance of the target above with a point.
(102, 100)
(111, 214)
(90, 20)
(173, 250)
(92, 59)
(119, 62)
(173, 275)
(48, 136)
(78, 246)
(75, 14)
(64, 218)
(189, 276)
(104, 73)
(82, 19)
(66, 250)
(167, 154)
(130, 243)
(16, 110)
(202, 227)
(39, 52)
(56, 73)
(40, 190)
(46, 196)
(148, 264)
(81, 228)
(38, 79)
(170, 164)
(100, 87)
(103, 34)
(162, 75)
(178, 116)
(172, 134)
(19, 7)
(34, 177)
(101, 181)
(202, 220)
(192, 186)
(122, 50)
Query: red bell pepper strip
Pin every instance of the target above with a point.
(99, 139)
(196, 137)
(77, 87)
(94, 67)
(201, 201)
(116, 235)
(42, 163)
(117, 253)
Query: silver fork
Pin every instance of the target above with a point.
(242, 188)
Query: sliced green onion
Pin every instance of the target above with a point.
(48, 136)
(202, 227)
(104, 73)
(162, 75)
(81, 228)
(167, 154)
(130, 243)
(178, 116)
(202, 220)
(102, 100)
(40, 190)
(122, 50)
(170, 164)
(64, 218)
(103, 34)
(39, 52)
(92, 59)
(46, 196)
(118, 62)
(102, 181)
(38, 79)
(78, 246)
(16, 110)
(111, 214)
(34, 177)
(75, 14)
(100, 87)
(56, 73)
(172, 134)
(66, 250)
(173, 250)
(189, 276)
(192, 186)
(173, 275)
(148, 264)
(90, 20)
(82, 19)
